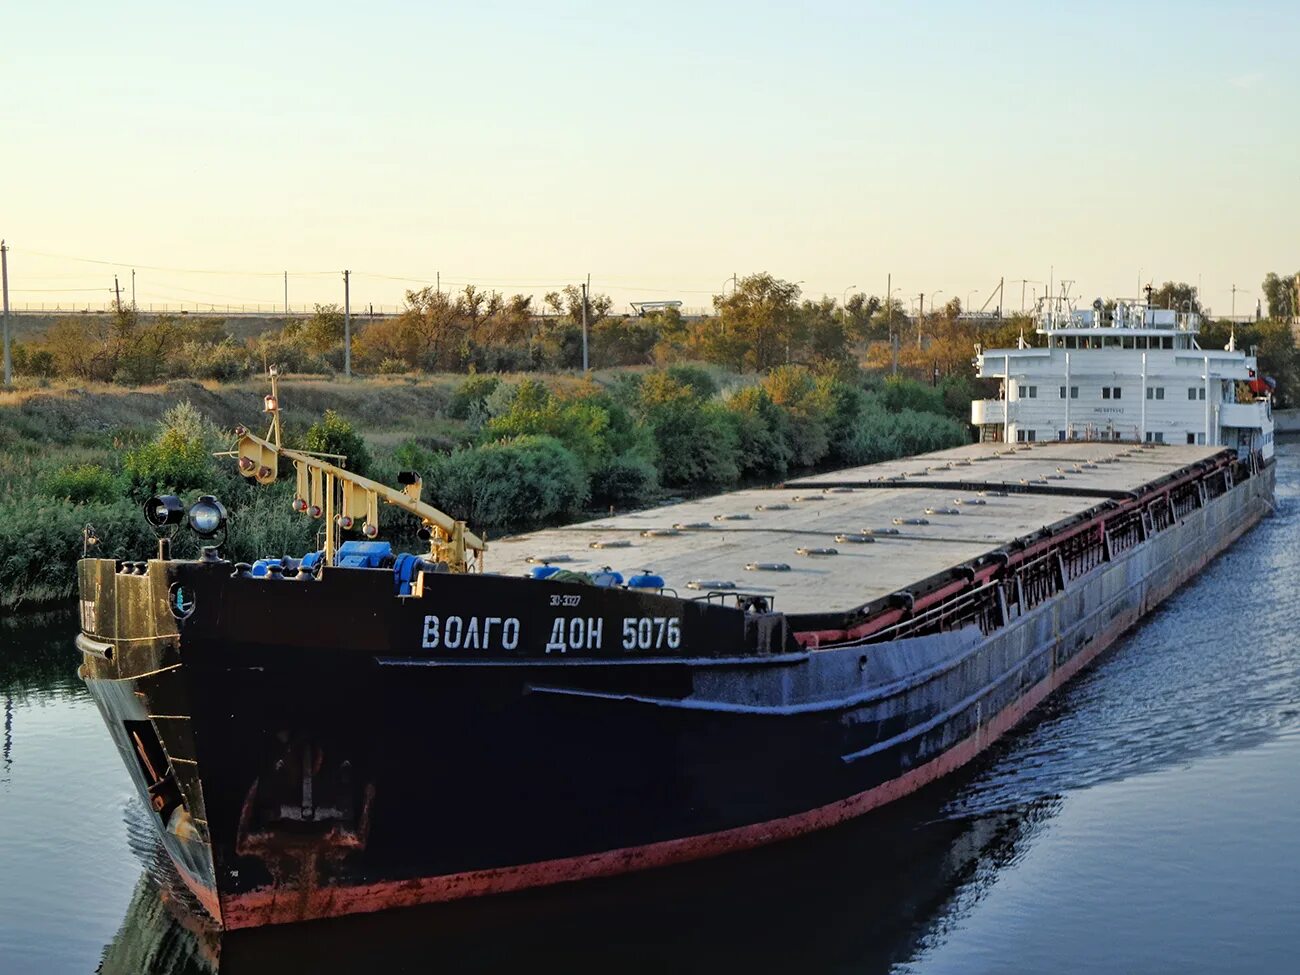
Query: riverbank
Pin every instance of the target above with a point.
(1287, 422)
(504, 453)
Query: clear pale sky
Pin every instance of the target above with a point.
(658, 146)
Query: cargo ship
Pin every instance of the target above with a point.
(356, 729)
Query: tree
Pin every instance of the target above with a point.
(1180, 296)
(824, 324)
(323, 330)
(429, 331)
(1280, 293)
(80, 348)
(759, 323)
(864, 322)
(598, 306)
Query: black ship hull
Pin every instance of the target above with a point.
(315, 749)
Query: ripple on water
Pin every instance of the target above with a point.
(1213, 670)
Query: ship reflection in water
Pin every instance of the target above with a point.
(863, 896)
(1147, 819)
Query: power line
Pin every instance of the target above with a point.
(231, 272)
(174, 270)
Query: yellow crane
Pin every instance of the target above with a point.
(346, 500)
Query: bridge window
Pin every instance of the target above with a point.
(1111, 392)
(1155, 392)
(1196, 392)
(1158, 437)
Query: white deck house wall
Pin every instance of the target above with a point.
(1143, 384)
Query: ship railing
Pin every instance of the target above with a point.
(1125, 532)
(983, 606)
(1081, 554)
(1028, 585)
(1036, 581)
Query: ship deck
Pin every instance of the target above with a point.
(1022, 487)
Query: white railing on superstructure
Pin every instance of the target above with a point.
(1060, 314)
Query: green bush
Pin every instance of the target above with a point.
(900, 393)
(808, 405)
(581, 425)
(697, 443)
(178, 459)
(291, 354)
(223, 361)
(470, 395)
(510, 484)
(263, 524)
(880, 435)
(41, 540)
(699, 380)
(763, 433)
(332, 434)
(846, 405)
(81, 484)
(624, 482)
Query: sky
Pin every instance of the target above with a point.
(659, 147)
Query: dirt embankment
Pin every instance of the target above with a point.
(65, 415)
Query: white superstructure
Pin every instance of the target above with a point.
(1125, 372)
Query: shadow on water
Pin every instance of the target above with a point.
(36, 654)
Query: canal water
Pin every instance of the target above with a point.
(1146, 820)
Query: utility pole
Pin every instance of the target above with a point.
(1233, 315)
(347, 325)
(286, 292)
(585, 288)
(133, 289)
(919, 319)
(439, 273)
(4, 287)
(117, 291)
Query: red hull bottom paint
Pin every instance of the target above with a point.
(271, 906)
(204, 894)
